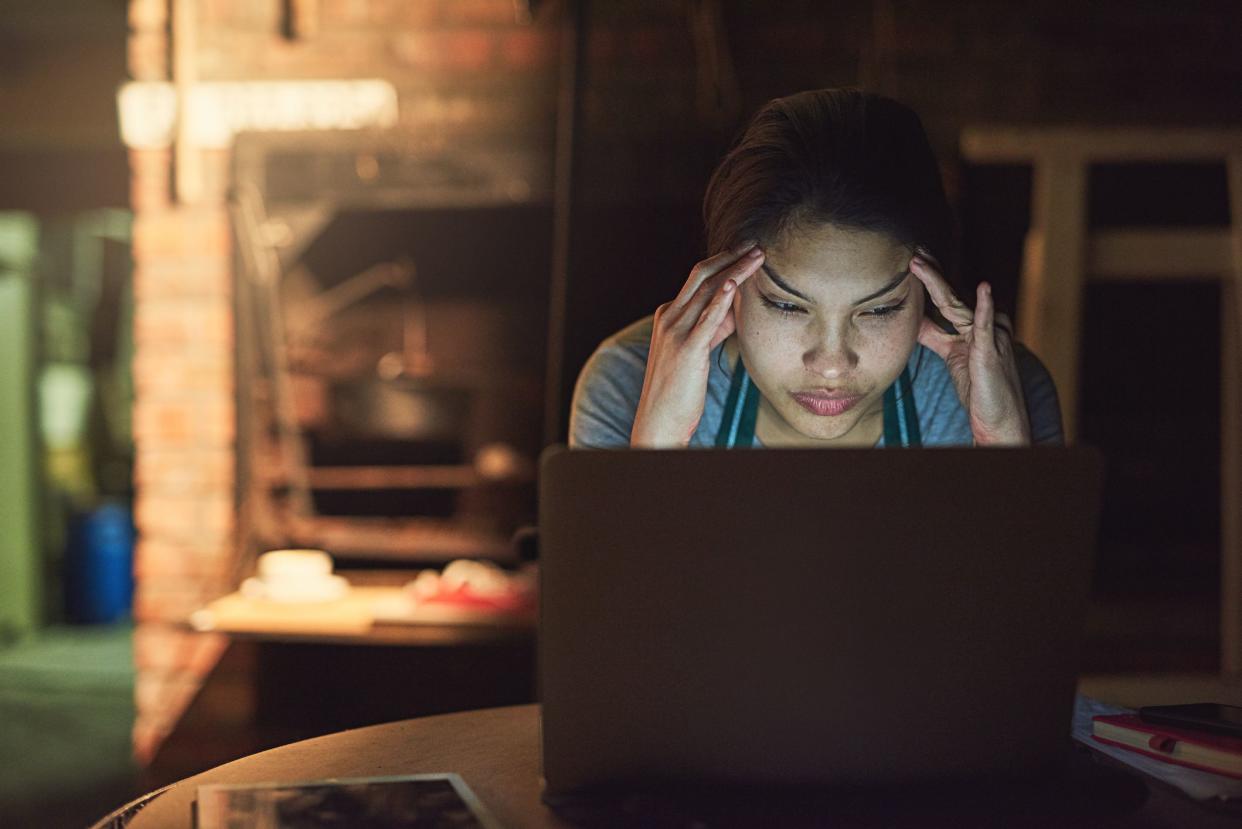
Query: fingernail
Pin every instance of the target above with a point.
(729, 285)
(754, 253)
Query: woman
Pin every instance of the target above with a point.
(809, 324)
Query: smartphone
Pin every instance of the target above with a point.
(1201, 716)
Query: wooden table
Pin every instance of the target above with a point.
(496, 751)
(272, 689)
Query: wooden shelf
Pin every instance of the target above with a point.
(399, 539)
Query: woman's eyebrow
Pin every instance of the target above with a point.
(896, 280)
(787, 288)
(783, 285)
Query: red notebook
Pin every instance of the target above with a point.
(1197, 749)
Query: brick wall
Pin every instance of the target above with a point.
(465, 70)
(183, 415)
(172, 310)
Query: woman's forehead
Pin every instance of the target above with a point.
(836, 260)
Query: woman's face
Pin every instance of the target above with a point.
(826, 326)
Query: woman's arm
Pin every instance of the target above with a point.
(980, 359)
(606, 395)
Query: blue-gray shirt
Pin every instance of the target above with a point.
(607, 392)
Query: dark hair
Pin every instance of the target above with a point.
(830, 156)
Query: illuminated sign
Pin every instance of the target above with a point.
(213, 113)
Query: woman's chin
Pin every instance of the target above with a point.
(822, 427)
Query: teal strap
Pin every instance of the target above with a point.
(913, 436)
(729, 424)
(750, 414)
(892, 424)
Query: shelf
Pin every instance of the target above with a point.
(399, 539)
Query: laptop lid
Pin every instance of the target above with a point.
(796, 616)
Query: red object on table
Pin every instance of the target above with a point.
(1195, 749)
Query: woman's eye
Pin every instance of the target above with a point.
(784, 308)
(886, 310)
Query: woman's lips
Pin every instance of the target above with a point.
(826, 404)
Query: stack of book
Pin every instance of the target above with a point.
(1195, 748)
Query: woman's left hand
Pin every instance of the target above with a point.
(980, 360)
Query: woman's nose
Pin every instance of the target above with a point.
(831, 357)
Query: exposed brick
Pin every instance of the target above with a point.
(169, 650)
(180, 323)
(199, 519)
(161, 698)
(148, 734)
(185, 421)
(148, 14)
(150, 180)
(464, 50)
(147, 55)
(172, 666)
(172, 602)
(419, 13)
(526, 49)
(479, 12)
(237, 14)
(183, 232)
(160, 691)
(196, 369)
(192, 471)
(339, 13)
(184, 277)
(211, 390)
(161, 562)
(217, 176)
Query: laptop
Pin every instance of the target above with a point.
(810, 617)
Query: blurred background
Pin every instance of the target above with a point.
(321, 273)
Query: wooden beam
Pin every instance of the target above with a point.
(1058, 248)
(399, 539)
(1018, 145)
(393, 477)
(1159, 253)
(1231, 437)
(1051, 287)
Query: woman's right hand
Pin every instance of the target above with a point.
(683, 334)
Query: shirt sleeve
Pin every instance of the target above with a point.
(1042, 405)
(606, 398)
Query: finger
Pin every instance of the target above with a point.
(724, 330)
(709, 267)
(927, 256)
(985, 313)
(738, 272)
(953, 309)
(709, 321)
(937, 339)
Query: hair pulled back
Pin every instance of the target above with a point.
(845, 157)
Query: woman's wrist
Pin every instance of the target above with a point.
(641, 438)
(1016, 434)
